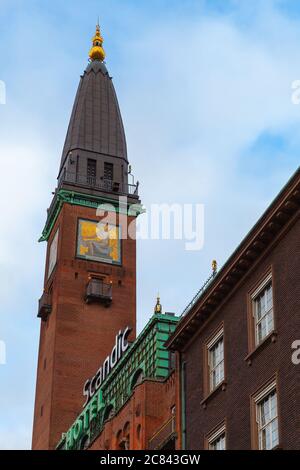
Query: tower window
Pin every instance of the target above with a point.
(91, 171)
(108, 171)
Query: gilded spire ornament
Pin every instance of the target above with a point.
(97, 52)
(158, 307)
(214, 266)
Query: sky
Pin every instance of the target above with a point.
(204, 88)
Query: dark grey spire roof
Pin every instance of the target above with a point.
(96, 123)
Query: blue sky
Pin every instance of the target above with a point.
(205, 93)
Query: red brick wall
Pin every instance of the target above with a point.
(233, 404)
(77, 336)
(149, 407)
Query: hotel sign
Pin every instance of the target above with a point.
(93, 384)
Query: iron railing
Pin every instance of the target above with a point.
(165, 433)
(199, 294)
(97, 183)
(97, 290)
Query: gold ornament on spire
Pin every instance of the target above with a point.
(97, 51)
(214, 266)
(158, 307)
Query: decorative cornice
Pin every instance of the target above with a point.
(62, 196)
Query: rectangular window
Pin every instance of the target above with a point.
(91, 171)
(262, 310)
(108, 171)
(217, 439)
(267, 418)
(215, 351)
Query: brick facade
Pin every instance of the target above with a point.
(145, 421)
(270, 251)
(77, 336)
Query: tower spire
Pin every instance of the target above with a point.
(97, 52)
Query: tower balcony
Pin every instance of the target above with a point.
(45, 306)
(98, 291)
(100, 184)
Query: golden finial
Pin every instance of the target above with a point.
(158, 307)
(214, 266)
(97, 51)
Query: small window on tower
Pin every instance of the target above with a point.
(108, 171)
(91, 172)
(108, 176)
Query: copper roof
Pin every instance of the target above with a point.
(96, 123)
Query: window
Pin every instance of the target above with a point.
(108, 171)
(267, 419)
(262, 310)
(215, 350)
(217, 439)
(108, 176)
(91, 171)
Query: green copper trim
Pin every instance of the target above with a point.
(121, 205)
(148, 355)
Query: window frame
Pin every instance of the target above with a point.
(256, 399)
(216, 434)
(209, 344)
(259, 287)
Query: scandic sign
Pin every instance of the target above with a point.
(93, 384)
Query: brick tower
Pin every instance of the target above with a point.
(90, 275)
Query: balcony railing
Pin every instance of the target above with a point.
(163, 436)
(45, 306)
(100, 184)
(98, 291)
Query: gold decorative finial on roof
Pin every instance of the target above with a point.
(214, 266)
(97, 51)
(158, 307)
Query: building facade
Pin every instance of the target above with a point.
(239, 385)
(219, 377)
(134, 407)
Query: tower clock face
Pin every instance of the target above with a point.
(99, 241)
(53, 254)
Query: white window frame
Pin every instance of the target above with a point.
(211, 369)
(266, 427)
(216, 436)
(267, 314)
